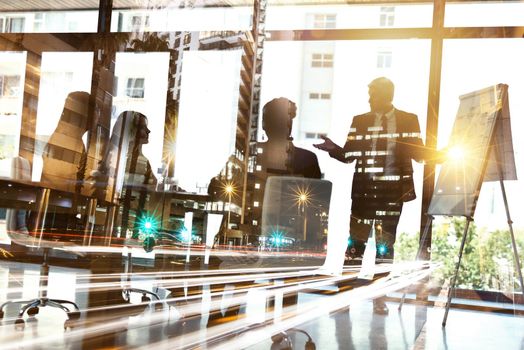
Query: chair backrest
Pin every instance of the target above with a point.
(15, 218)
(295, 212)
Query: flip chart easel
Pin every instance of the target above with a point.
(480, 150)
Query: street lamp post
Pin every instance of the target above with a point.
(302, 199)
(229, 189)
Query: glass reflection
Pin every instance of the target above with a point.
(157, 148)
(12, 78)
(484, 13)
(292, 15)
(490, 245)
(176, 15)
(49, 16)
(64, 155)
(61, 74)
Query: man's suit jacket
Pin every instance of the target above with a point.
(359, 147)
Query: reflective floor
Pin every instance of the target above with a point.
(264, 308)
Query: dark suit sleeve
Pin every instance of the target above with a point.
(412, 140)
(349, 152)
(305, 163)
(313, 170)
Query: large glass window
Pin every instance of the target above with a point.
(178, 138)
(12, 77)
(286, 15)
(49, 16)
(348, 82)
(470, 65)
(209, 97)
(144, 16)
(484, 14)
(61, 73)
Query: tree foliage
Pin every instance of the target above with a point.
(487, 262)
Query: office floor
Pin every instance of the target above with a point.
(356, 327)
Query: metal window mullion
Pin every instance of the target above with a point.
(435, 73)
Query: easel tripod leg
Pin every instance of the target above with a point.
(517, 262)
(454, 279)
(513, 243)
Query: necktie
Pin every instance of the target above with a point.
(384, 123)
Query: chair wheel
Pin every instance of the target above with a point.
(74, 315)
(19, 324)
(33, 311)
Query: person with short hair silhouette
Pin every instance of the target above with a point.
(383, 142)
(279, 154)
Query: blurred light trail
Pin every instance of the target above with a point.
(100, 326)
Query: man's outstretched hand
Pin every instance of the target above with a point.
(327, 145)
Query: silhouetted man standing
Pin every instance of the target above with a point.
(382, 142)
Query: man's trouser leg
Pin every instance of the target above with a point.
(386, 232)
(359, 229)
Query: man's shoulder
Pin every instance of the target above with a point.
(364, 115)
(301, 152)
(403, 114)
(362, 118)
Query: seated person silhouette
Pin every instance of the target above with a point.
(65, 164)
(64, 155)
(279, 155)
(124, 178)
(125, 174)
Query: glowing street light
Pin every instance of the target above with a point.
(303, 199)
(382, 249)
(149, 224)
(277, 239)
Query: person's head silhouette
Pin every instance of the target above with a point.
(64, 155)
(130, 129)
(277, 118)
(129, 133)
(381, 91)
(74, 117)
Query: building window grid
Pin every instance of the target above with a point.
(139, 23)
(384, 59)
(324, 21)
(39, 21)
(387, 16)
(135, 87)
(320, 96)
(324, 60)
(315, 135)
(15, 25)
